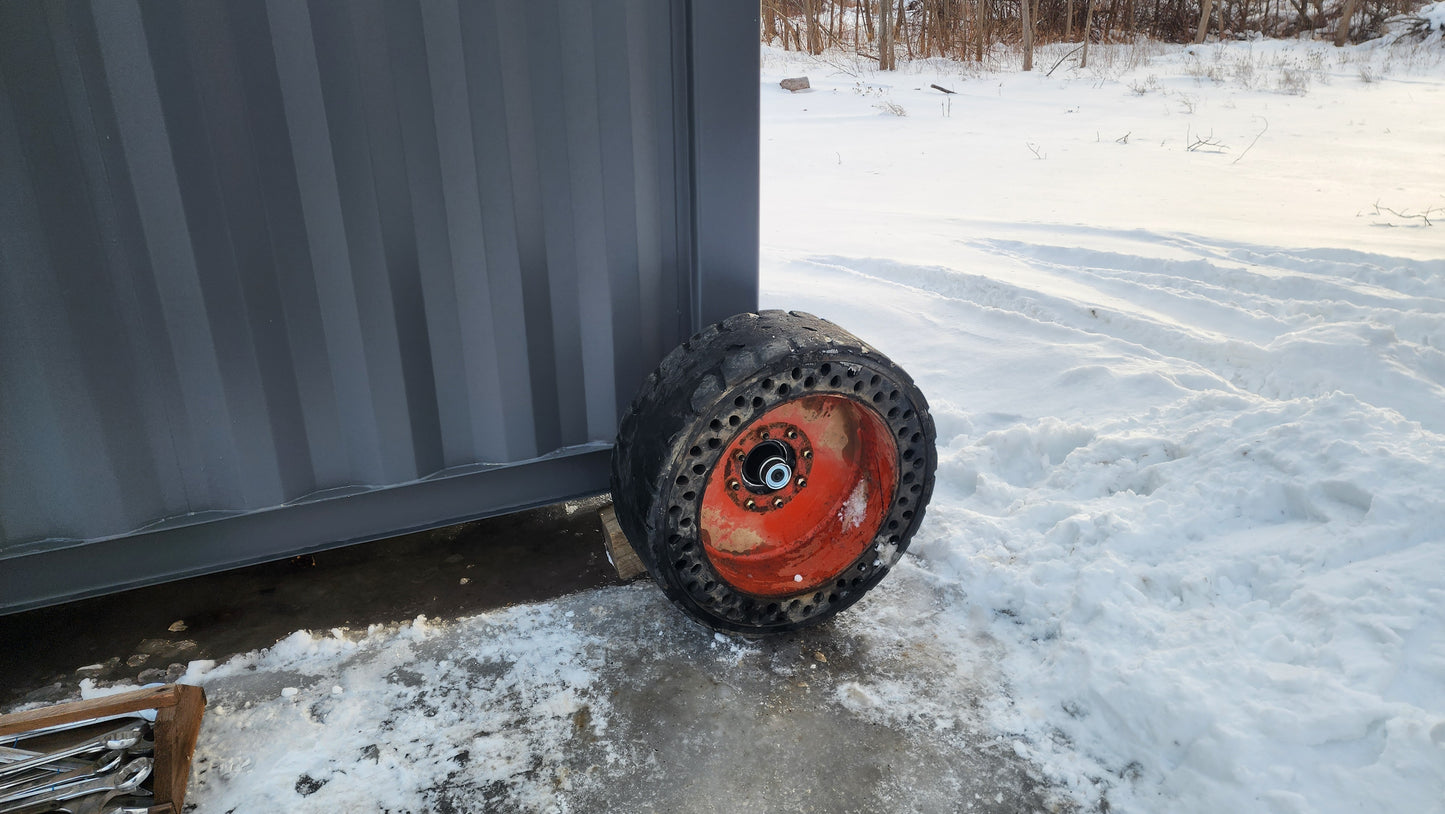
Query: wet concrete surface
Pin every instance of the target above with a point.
(877, 710)
(522, 557)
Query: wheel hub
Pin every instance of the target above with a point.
(803, 492)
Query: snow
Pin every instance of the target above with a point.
(1189, 401)
(854, 508)
(1186, 549)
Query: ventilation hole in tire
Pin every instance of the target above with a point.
(772, 607)
(856, 581)
(807, 609)
(680, 564)
(809, 382)
(681, 480)
(908, 455)
(715, 425)
(674, 510)
(908, 515)
(902, 431)
(877, 397)
(734, 420)
(842, 583)
(825, 369)
(851, 372)
(858, 386)
(862, 566)
(907, 477)
(892, 524)
(832, 598)
(918, 464)
(893, 412)
(893, 396)
(739, 401)
(673, 538)
(782, 390)
(697, 566)
(686, 548)
(684, 522)
(797, 373)
(713, 443)
(915, 438)
(903, 501)
(767, 384)
(757, 402)
(907, 414)
(915, 488)
(698, 469)
(834, 382)
(893, 539)
(689, 495)
(818, 597)
(695, 451)
(873, 382)
(708, 586)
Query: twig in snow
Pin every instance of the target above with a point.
(1050, 72)
(1208, 144)
(1252, 143)
(942, 88)
(1425, 216)
(1124, 139)
(1034, 148)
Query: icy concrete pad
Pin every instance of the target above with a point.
(609, 700)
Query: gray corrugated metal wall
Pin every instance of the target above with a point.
(262, 255)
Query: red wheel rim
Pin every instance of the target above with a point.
(783, 541)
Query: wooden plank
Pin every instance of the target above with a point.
(619, 550)
(177, 728)
(134, 701)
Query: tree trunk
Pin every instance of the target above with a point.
(1069, 22)
(1342, 34)
(1203, 22)
(815, 37)
(1088, 27)
(885, 35)
(1026, 22)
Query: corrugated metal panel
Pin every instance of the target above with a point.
(260, 254)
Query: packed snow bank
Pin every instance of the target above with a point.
(1189, 397)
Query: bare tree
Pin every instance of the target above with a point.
(1206, 7)
(1088, 27)
(1342, 34)
(885, 35)
(815, 37)
(1027, 23)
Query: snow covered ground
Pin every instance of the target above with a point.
(1190, 401)
(1186, 552)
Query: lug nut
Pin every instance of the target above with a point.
(734, 485)
(741, 455)
(792, 433)
(777, 503)
(750, 503)
(763, 434)
(802, 482)
(807, 453)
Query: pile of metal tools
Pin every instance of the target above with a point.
(95, 766)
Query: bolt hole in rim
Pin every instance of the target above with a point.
(814, 526)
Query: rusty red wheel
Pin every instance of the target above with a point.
(772, 470)
(798, 496)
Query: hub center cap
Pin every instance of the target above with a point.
(768, 466)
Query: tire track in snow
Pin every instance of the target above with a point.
(1270, 344)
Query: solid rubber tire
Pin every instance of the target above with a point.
(673, 434)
